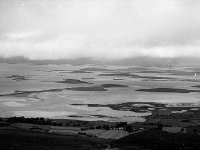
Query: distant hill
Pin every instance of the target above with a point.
(136, 61)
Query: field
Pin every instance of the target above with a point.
(158, 140)
(107, 134)
(20, 140)
(63, 130)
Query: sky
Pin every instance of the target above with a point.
(99, 29)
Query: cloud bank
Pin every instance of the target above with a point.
(99, 29)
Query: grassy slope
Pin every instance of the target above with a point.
(19, 140)
(158, 140)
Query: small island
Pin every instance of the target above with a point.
(170, 90)
(74, 81)
(18, 77)
(113, 85)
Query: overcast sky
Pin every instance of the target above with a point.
(110, 29)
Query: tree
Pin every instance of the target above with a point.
(129, 128)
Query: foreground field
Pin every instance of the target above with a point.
(107, 134)
(146, 140)
(20, 140)
(158, 140)
(61, 130)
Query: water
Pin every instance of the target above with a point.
(58, 104)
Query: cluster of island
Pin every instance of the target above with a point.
(168, 126)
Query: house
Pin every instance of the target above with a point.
(164, 112)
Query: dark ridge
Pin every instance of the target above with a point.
(80, 71)
(119, 74)
(92, 88)
(170, 90)
(75, 116)
(71, 71)
(17, 77)
(118, 79)
(78, 104)
(73, 81)
(113, 85)
(59, 70)
(95, 69)
(197, 86)
(191, 80)
(88, 78)
(149, 71)
(134, 76)
(103, 116)
(152, 77)
(26, 93)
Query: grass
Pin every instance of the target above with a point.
(107, 134)
(159, 140)
(20, 140)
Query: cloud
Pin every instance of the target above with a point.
(99, 29)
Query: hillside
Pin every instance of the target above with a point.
(20, 140)
(158, 140)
